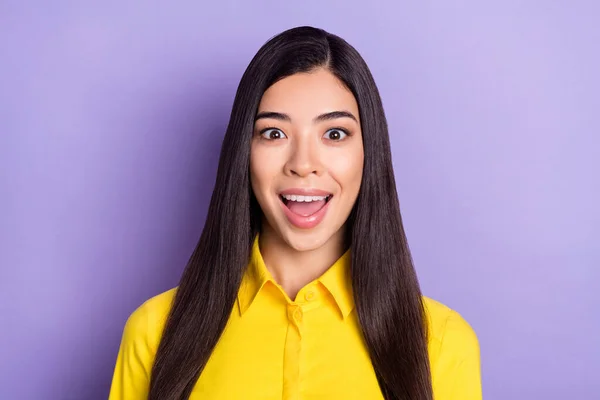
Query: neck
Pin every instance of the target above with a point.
(293, 269)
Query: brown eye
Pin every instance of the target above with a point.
(272, 134)
(336, 134)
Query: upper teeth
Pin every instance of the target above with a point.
(294, 197)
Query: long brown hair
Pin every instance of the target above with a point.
(386, 291)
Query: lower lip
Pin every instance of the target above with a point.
(308, 222)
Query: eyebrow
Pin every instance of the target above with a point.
(321, 118)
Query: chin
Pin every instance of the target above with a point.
(305, 241)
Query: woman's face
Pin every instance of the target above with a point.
(307, 142)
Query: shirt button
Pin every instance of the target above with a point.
(298, 314)
(310, 295)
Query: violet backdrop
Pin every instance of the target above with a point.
(111, 120)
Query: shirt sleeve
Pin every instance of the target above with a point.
(458, 372)
(131, 375)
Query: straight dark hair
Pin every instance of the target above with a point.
(387, 296)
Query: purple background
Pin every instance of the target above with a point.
(111, 119)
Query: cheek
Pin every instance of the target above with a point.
(347, 169)
(261, 171)
(255, 172)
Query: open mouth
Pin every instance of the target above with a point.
(305, 205)
(305, 211)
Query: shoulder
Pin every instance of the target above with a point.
(139, 343)
(453, 354)
(147, 320)
(450, 335)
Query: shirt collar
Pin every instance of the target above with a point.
(336, 280)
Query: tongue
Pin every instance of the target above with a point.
(305, 208)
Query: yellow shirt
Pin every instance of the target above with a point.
(310, 348)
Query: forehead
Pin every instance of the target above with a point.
(308, 94)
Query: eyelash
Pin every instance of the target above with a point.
(345, 131)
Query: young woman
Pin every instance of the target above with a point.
(302, 285)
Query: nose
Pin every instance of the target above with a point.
(304, 158)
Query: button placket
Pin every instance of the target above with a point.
(295, 315)
(292, 352)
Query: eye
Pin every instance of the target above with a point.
(272, 134)
(336, 134)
